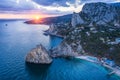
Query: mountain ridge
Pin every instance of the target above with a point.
(51, 20)
(93, 31)
(100, 14)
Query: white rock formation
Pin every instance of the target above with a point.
(76, 19)
(64, 50)
(38, 55)
(98, 13)
(52, 28)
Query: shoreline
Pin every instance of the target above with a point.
(96, 60)
(91, 58)
(52, 34)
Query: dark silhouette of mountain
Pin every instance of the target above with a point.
(50, 20)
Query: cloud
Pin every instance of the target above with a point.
(67, 6)
(52, 2)
(29, 6)
(49, 7)
(106, 1)
(17, 5)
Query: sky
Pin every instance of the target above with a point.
(42, 8)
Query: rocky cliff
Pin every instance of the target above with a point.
(58, 29)
(93, 14)
(71, 45)
(92, 29)
(98, 25)
(38, 55)
(66, 50)
(76, 19)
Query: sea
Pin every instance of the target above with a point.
(18, 38)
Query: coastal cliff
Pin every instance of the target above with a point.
(94, 31)
(76, 19)
(58, 29)
(66, 50)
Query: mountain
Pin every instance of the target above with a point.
(94, 14)
(50, 20)
(93, 31)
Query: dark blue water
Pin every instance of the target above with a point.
(17, 39)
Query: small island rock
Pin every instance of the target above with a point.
(38, 55)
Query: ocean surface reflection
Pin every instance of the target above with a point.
(18, 38)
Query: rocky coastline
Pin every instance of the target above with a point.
(52, 34)
(88, 34)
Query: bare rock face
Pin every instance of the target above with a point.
(76, 19)
(52, 28)
(98, 14)
(64, 50)
(38, 55)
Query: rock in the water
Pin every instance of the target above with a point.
(39, 55)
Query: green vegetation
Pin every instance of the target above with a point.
(96, 42)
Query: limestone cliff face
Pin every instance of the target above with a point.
(58, 29)
(71, 46)
(91, 16)
(64, 50)
(38, 55)
(76, 19)
(98, 14)
(52, 29)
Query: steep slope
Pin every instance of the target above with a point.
(93, 14)
(95, 31)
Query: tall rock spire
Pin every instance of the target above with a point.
(76, 19)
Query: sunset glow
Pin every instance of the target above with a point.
(37, 17)
(28, 9)
(24, 16)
